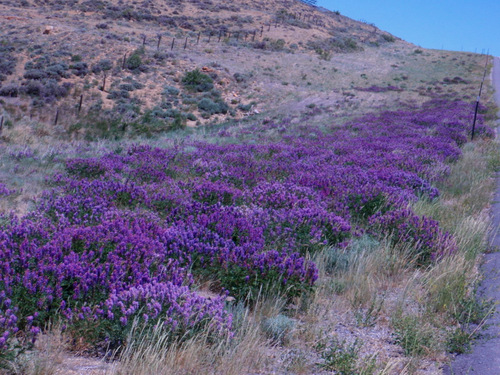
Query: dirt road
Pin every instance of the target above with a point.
(485, 356)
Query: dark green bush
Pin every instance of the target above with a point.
(170, 90)
(133, 62)
(80, 68)
(102, 65)
(388, 38)
(197, 81)
(212, 107)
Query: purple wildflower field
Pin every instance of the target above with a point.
(127, 236)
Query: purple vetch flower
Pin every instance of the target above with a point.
(125, 236)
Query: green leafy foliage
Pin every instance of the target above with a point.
(197, 81)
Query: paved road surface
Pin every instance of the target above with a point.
(485, 357)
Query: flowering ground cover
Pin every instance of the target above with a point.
(128, 236)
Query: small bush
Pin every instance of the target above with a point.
(118, 94)
(388, 38)
(245, 107)
(170, 90)
(80, 68)
(278, 328)
(11, 90)
(36, 74)
(133, 62)
(197, 81)
(102, 65)
(126, 87)
(211, 107)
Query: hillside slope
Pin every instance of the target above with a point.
(127, 63)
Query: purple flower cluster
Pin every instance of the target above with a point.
(124, 236)
(5, 191)
(423, 233)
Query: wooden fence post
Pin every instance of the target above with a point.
(124, 61)
(57, 117)
(198, 39)
(80, 104)
(1, 125)
(104, 81)
(173, 42)
(186, 43)
(159, 41)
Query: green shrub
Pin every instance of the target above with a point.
(170, 90)
(197, 81)
(134, 62)
(102, 65)
(212, 107)
(388, 38)
(245, 107)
